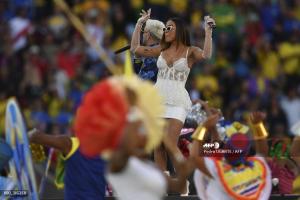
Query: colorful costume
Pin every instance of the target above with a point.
(139, 180)
(100, 123)
(280, 152)
(146, 68)
(240, 183)
(235, 175)
(84, 176)
(103, 114)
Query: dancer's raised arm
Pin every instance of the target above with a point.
(136, 47)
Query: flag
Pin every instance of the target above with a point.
(20, 167)
(128, 69)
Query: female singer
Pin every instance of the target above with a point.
(176, 56)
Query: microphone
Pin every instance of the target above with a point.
(122, 49)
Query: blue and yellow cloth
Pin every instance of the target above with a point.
(83, 176)
(146, 68)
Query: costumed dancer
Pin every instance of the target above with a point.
(284, 161)
(176, 56)
(102, 112)
(231, 174)
(149, 34)
(130, 173)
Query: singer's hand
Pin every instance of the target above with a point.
(209, 23)
(144, 16)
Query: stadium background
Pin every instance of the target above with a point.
(49, 66)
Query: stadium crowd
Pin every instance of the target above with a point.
(48, 66)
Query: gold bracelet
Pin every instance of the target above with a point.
(260, 131)
(199, 133)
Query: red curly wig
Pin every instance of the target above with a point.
(101, 118)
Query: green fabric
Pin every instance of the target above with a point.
(279, 151)
(60, 172)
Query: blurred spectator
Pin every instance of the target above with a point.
(253, 29)
(31, 85)
(19, 27)
(276, 118)
(68, 59)
(58, 23)
(291, 105)
(289, 52)
(258, 85)
(225, 15)
(268, 59)
(270, 13)
(96, 32)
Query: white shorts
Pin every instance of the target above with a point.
(175, 112)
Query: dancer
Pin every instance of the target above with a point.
(232, 175)
(150, 35)
(102, 113)
(284, 164)
(126, 148)
(284, 161)
(84, 176)
(133, 176)
(175, 58)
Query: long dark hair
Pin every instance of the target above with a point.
(182, 34)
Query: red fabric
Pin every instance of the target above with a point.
(285, 176)
(253, 32)
(41, 64)
(239, 145)
(183, 145)
(68, 62)
(100, 119)
(22, 33)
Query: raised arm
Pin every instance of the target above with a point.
(198, 142)
(136, 47)
(198, 54)
(260, 133)
(210, 111)
(62, 143)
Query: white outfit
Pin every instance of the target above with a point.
(138, 181)
(212, 188)
(171, 85)
(291, 108)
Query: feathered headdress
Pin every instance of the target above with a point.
(104, 113)
(101, 118)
